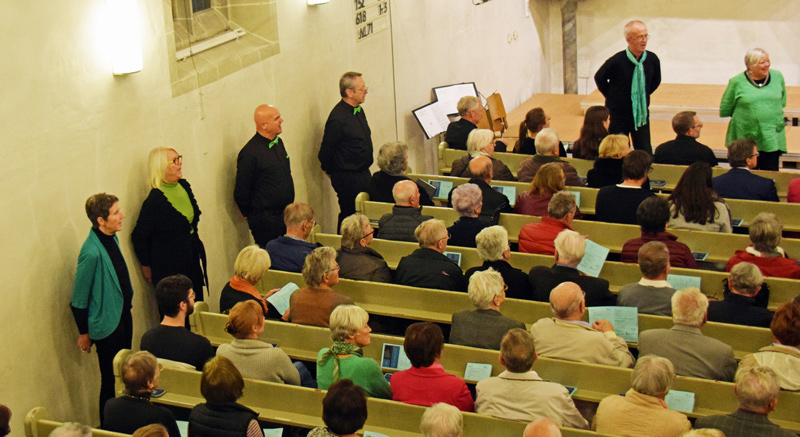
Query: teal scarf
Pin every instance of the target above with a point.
(339, 348)
(638, 96)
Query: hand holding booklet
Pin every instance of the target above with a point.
(593, 259)
(624, 319)
(280, 300)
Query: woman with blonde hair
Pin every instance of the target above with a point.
(548, 180)
(607, 168)
(251, 265)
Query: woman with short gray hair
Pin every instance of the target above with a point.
(467, 201)
(314, 304)
(481, 142)
(494, 250)
(393, 163)
(771, 259)
(356, 259)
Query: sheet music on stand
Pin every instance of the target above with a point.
(431, 119)
(449, 95)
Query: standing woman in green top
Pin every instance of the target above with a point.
(755, 100)
(165, 237)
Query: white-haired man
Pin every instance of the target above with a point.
(757, 390)
(739, 305)
(494, 250)
(568, 337)
(406, 214)
(428, 267)
(547, 144)
(470, 110)
(441, 420)
(691, 352)
(542, 427)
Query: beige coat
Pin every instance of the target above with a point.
(636, 415)
(784, 360)
(570, 341)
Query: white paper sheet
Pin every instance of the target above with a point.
(593, 260)
(280, 300)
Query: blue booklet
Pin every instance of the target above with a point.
(624, 319)
(593, 260)
(679, 282)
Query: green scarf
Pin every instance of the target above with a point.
(339, 348)
(638, 96)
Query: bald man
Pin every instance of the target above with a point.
(264, 184)
(406, 214)
(494, 202)
(543, 427)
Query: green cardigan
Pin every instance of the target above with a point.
(756, 113)
(97, 288)
(363, 371)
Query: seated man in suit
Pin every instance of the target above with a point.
(569, 250)
(567, 337)
(685, 149)
(470, 110)
(539, 237)
(739, 306)
(428, 267)
(738, 182)
(619, 203)
(757, 391)
(653, 216)
(494, 202)
(691, 352)
(547, 145)
(406, 214)
(289, 252)
(494, 250)
(652, 294)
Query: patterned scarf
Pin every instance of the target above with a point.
(638, 97)
(339, 348)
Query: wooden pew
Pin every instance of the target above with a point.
(38, 424)
(594, 382)
(618, 274)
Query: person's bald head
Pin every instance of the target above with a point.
(543, 427)
(268, 121)
(567, 301)
(406, 193)
(481, 168)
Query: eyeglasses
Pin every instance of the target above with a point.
(641, 38)
(649, 170)
(368, 234)
(177, 160)
(358, 90)
(754, 155)
(697, 126)
(313, 223)
(446, 238)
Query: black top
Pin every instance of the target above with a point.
(527, 146)
(464, 231)
(457, 134)
(127, 414)
(544, 279)
(177, 343)
(230, 297)
(428, 268)
(226, 419)
(494, 202)
(684, 150)
(618, 205)
(120, 268)
(614, 80)
(347, 141)
(606, 171)
(289, 254)
(263, 177)
(739, 310)
(515, 279)
(382, 183)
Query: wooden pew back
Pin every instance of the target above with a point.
(37, 424)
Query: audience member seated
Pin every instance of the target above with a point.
(72, 429)
(494, 250)
(542, 427)
(538, 237)
(289, 252)
(535, 120)
(547, 151)
(607, 169)
(594, 129)
(426, 382)
(653, 216)
(406, 214)
(548, 181)
(793, 191)
(428, 267)
(5, 421)
(133, 410)
(171, 340)
(345, 358)
(481, 142)
(685, 149)
(783, 355)
(393, 162)
(756, 390)
(254, 358)
(222, 385)
(470, 112)
(510, 395)
(652, 294)
(739, 305)
(765, 234)
(694, 204)
(642, 412)
(441, 420)
(250, 266)
(313, 304)
(483, 327)
(467, 202)
(618, 203)
(356, 259)
(569, 250)
(494, 203)
(567, 337)
(344, 410)
(691, 352)
(739, 182)
(154, 430)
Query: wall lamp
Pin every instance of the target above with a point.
(124, 36)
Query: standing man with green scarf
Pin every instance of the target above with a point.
(626, 80)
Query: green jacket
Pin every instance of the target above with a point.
(363, 371)
(756, 113)
(97, 288)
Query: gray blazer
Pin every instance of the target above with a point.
(691, 352)
(648, 299)
(481, 328)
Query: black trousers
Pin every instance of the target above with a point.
(347, 186)
(770, 161)
(623, 125)
(266, 225)
(107, 349)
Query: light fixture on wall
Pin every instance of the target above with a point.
(317, 2)
(124, 37)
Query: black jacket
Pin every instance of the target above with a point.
(606, 171)
(220, 420)
(346, 141)
(515, 279)
(382, 183)
(127, 414)
(618, 205)
(362, 264)
(544, 279)
(739, 310)
(457, 134)
(427, 268)
(614, 80)
(684, 150)
(739, 183)
(263, 177)
(464, 231)
(494, 202)
(401, 223)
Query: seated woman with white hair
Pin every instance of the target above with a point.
(356, 259)
(314, 304)
(345, 358)
(393, 163)
(441, 420)
(765, 234)
(251, 265)
(494, 250)
(467, 202)
(483, 327)
(642, 411)
(481, 143)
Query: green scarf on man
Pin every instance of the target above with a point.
(638, 92)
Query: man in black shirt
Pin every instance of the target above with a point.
(346, 150)
(470, 111)
(618, 203)
(171, 340)
(264, 184)
(685, 149)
